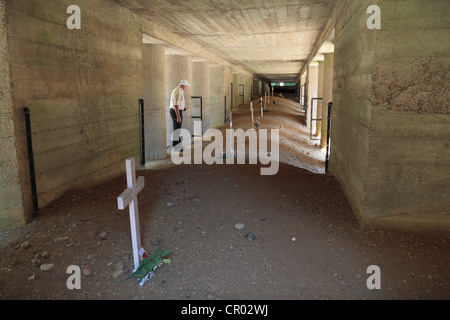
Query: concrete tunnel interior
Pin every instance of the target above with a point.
(371, 76)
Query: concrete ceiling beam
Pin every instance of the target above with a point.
(176, 42)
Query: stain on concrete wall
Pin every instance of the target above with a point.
(415, 84)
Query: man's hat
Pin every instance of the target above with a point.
(184, 83)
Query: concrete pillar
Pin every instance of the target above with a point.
(221, 81)
(201, 87)
(312, 80)
(247, 82)
(178, 67)
(227, 82)
(318, 103)
(216, 96)
(327, 94)
(11, 199)
(257, 88)
(390, 145)
(237, 90)
(154, 92)
(303, 90)
(265, 88)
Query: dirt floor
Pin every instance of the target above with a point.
(300, 239)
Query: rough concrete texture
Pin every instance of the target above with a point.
(389, 146)
(313, 79)
(236, 91)
(220, 87)
(411, 73)
(178, 67)
(154, 90)
(11, 207)
(319, 103)
(351, 111)
(243, 86)
(271, 38)
(201, 88)
(257, 88)
(82, 88)
(327, 95)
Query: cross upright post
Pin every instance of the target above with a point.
(253, 119)
(129, 198)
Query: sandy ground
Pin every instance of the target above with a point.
(306, 242)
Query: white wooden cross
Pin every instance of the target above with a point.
(253, 119)
(129, 198)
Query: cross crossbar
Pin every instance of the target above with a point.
(129, 199)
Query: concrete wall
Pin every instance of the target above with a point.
(242, 91)
(390, 129)
(354, 48)
(178, 67)
(11, 201)
(410, 116)
(313, 83)
(247, 81)
(201, 87)
(228, 80)
(220, 86)
(237, 90)
(82, 88)
(319, 103)
(327, 95)
(154, 93)
(303, 90)
(257, 88)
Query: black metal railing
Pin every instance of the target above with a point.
(34, 194)
(142, 118)
(327, 154)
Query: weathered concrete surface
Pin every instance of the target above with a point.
(221, 80)
(319, 103)
(327, 95)
(354, 46)
(243, 85)
(201, 83)
(170, 39)
(270, 38)
(313, 82)
(82, 88)
(11, 200)
(154, 90)
(390, 130)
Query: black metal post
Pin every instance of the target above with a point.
(141, 108)
(232, 98)
(327, 156)
(225, 109)
(34, 194)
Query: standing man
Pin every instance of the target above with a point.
(177, 106)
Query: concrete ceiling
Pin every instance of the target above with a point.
(272, 39)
